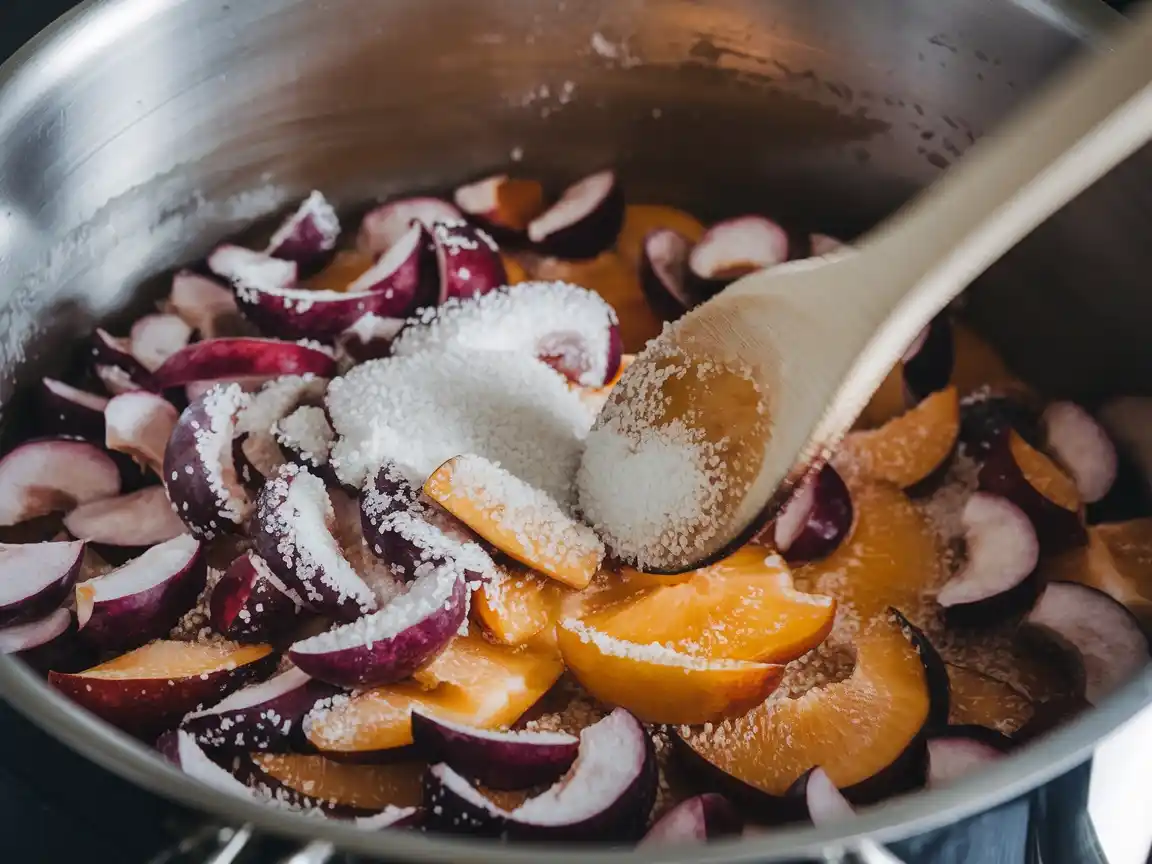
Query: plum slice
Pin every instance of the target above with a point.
(1031, 481)
(519, 520)
(958, 750)
(317, 784)
(911, 450)
(606, 795)
(226, 359)
(1081, 445)
(250, 603)
(404, 279)
(662, 685)
(698, 819)
(306, 435)
(734, 248)
(516, 605)
(182, 750)
(641, 220)
(568, 327)
(664, 273)
(858, 730)
(152, 687)
(413, 534)
(503, 205)
(293, 533)
(155, 338)
(823, 800)
(584, 221)
(389, 645)
(115, 364)
(369, 338)
(498, 760)
(263, 717)
(200, 465)
(307, 234)
(1098, 633)
(67, 410)
(139, 424)
(141, 518)
(1002, 553)
(386, 224)
(742, 608)
(32, 635)
(468, 259)
(36, 578)
(204, 304)
(815, 520)
(1128, 420)
(50, 475)
(472, 681)
(144, 598)
(986, 417)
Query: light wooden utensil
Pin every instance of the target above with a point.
(820, 335)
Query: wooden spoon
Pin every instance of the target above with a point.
(718, 419)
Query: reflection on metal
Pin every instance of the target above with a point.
(1119, 797)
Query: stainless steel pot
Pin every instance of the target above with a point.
(136, 133)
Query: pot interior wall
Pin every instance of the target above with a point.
(146, 135)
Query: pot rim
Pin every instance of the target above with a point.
(89, 29)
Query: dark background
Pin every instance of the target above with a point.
(57, 807)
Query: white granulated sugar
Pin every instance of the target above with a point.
(420, 411)
(648, 491)
(539, 319)
(540, 525)
(277, 399)
(433, 594)
(653, 653)
(315, 209)
(222, 405)
(306, 432)
(296, 510)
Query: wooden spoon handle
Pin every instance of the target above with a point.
(1095, 114)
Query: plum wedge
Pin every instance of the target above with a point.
(1082, 446)
(262, 717)
(1002, 553)
(200, 466)
(144, 598)
(503, 205)
(584, 221)
(498, 760)
(139, 424)
(50, 475)
(310, 231)
(517, 519)
(606, 796)
(138, 519)
(469, 261)
(293, 533)
(383, 226)
(22, 639)
(36, 578)
(227, 359)
(250, 603)
(696, 820)
(815, 520)
(389, 645)
(824, 802)
(958, 750)
(68, 410)
(1103, 639)
(734, 248)
(775, 743)
(154, 686)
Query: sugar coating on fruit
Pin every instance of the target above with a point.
(566, 323)
(298, 513)
(422, 410)
(306, 432)
(432, 593)
(252, 271)
(455, 236)
(547, 536)
(652, 652)
(222, 405)
(322, 223)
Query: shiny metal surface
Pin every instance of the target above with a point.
(138, 132)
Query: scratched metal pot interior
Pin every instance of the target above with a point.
(138, 134)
